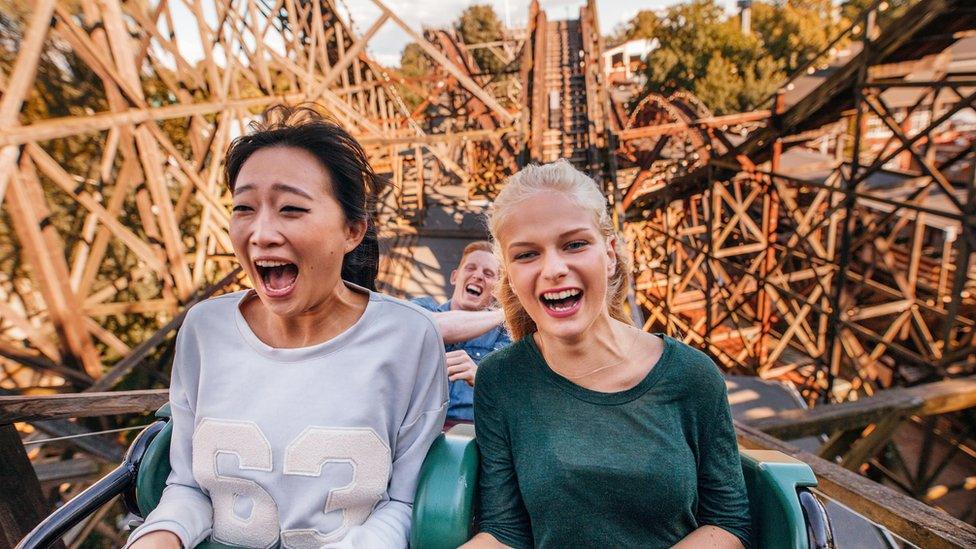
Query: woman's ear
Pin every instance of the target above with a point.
(611, 256)
(355, 232)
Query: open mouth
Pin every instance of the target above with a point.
(277, 276)
(561, 301)
(474, 290)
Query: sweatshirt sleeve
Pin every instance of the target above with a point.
(185, 509)
(389, 524)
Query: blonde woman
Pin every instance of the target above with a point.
(592, 432)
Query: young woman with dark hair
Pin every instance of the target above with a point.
(592, 432)
(302, 409)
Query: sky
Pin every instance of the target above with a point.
(387, 44)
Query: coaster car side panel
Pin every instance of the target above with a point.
(444, 506)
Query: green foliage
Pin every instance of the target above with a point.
(850, 9)
(413, 61)
(795, 31)
(479, 24)
(643, 25)
(704, 51)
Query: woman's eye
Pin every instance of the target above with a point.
(293, 209)
(576, 244)
(242, 208)
(524, 255)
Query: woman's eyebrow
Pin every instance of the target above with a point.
(574, 231)
(280, 187)
(561, 236)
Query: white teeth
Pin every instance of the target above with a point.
(270, 263)
(561, 295)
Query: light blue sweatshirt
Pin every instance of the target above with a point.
(318, 446)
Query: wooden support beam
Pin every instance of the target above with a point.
(42, 247)
(429, 139)
(677, 127)
(22, 505)
(904, 516)
(350, 54)
(36, 408)
(19, 83)
(867, 446)
(450, 67)
(930, 399)
(56, 128)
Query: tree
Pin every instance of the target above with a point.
(704, 52)
(479, 24)
(413, 61)
(644, 25)
(795, 31)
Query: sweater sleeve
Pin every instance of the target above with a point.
(503, 513)
(185, 509)
(389, 524)
(722, 499)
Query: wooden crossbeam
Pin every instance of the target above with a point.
(923, 400)
(42, 247)
(450, 67)
(677, 127)
(904, 516)
(15, 409)
(19, 82)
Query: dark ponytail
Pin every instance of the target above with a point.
(354, 183)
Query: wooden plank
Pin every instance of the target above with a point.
(904, 516)
(33, 408)
(930, 399)
(22, 504)
(946, 396)
(429, 139)
(19, 84)
(675, 127)
(55, 128)
(42, 248)
(69, 469)
(352, 53)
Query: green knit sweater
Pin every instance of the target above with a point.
(564, 466)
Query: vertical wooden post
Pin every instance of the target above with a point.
(22, 504)
(769, 221)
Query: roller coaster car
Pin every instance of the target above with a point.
(785, 513)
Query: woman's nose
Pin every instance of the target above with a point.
(265, 231)
(554, 267)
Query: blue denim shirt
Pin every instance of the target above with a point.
(461, 406)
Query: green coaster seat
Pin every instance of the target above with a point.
(785, 514)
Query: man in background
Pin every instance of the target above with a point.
(470, 327)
